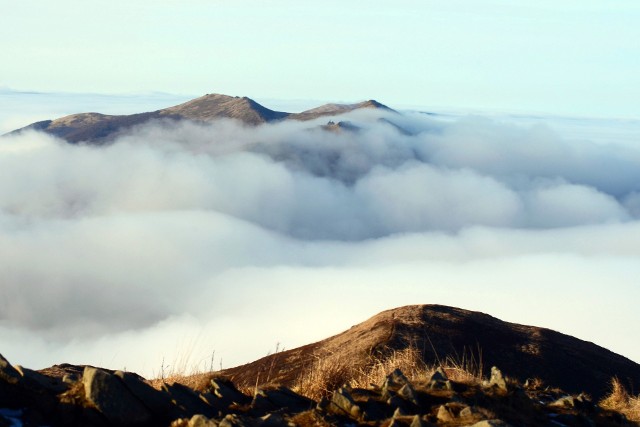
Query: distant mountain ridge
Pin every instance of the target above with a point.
(99, 128)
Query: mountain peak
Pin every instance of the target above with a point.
(212, 106)
(96, 128)
(337, 109)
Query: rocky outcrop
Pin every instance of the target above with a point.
(102, 398)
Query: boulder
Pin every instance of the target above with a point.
(35, 380)
(392, 383)
(418, 421)
(408, 393)
(200, 420)
(188, 401)
(228, 393)
(112, 399)
(497, 380)
(439, 381)
(444, 414)
(8, 373)
(343, 404)
(233, 420)
(280, 398)
(158, 402)
(491, 423)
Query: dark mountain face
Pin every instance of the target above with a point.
(445, 333)
(98, 128)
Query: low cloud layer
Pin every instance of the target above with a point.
(218, 233)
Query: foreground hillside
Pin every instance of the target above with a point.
(376, 373)
(446, 334)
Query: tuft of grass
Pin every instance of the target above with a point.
(619, 400)
(327, 374)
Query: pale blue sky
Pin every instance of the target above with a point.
(569, 57)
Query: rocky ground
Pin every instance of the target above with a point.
(89, 396)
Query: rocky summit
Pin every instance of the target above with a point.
(381, 378)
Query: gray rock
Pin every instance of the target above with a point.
(273, 420)
(189, 401)
(281, 398)
(342, 403)
(466, 412)
(35, 380)
(200, 420)
(408, 393)
(228, 393)
(399, 412)
(444, 414)
(233, 420)
(8, 373)
(439, 381)
(392, 383)
(158, 402)
(497, 380)
(491, 423)
(396, 402)
(110, 396)
(417, 421)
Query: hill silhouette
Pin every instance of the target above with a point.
(442, 333)
(96, 128)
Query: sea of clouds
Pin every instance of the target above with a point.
(179, 240)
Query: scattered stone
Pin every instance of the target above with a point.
(399, 413)
(200, 420)
(392, 383)
(8, 373)
(343, 404)
(466, 412)
(408, 393)
(399, 403)
(497, 380)
(234, 420)
(280, 398)
(444, 414)
(374, 410)
(439, 381)
(581, 402)
(491, 423)
(110, 396)
(228, 393)
(273, 420)
(417, 421)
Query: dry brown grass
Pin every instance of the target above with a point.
(330, 372)
(619, 400)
